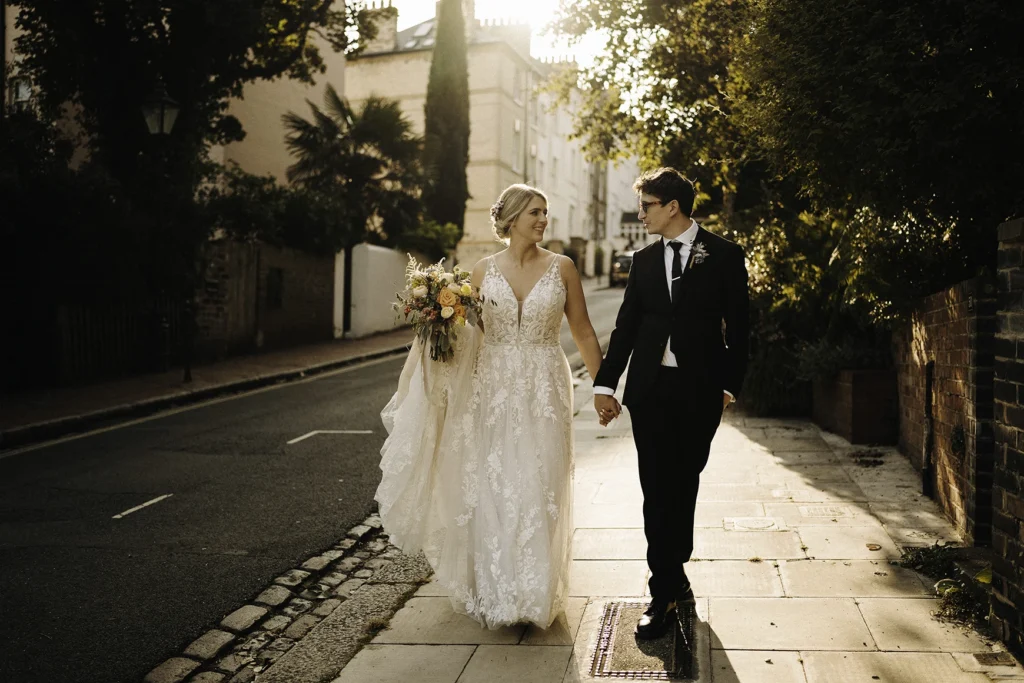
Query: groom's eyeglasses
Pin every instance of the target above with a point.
(645, 206)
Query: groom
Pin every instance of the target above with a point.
(684, 322)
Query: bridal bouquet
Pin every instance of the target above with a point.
(437, 303)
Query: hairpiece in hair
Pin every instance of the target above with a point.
(496, 209)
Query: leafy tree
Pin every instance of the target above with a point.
(909, 109)
(446, 149)
(104, 58)
(369, 160)
(661, 88)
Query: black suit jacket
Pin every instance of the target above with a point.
(714, 291)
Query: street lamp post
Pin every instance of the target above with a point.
(160, 112)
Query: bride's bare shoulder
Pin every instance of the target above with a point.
(479, 268)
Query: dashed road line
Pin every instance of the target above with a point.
(330, 431)
(139, 507)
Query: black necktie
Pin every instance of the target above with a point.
(677, 272)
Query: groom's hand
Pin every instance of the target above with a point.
(607, 408)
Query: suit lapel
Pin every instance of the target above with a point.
(693, 250)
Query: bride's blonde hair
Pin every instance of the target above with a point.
(512, 202)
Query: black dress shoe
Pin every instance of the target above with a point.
(655, 620)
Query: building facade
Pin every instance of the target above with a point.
(517, 134)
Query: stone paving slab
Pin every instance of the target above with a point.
(789, 458)
(915, 516)
(835, 494)
(627, 515)
(903, 536)
(712, 515)
(848, 543)
(756, 666)
(515, 664)
(563, 631)
(822, 514)
(728, 578)
(850, 579)
(885, 667)
(607, 577)
(734, 493)
(719, 544)
(908, 625)
(609, 544)
(420, 663)
(431, 621)
(789, 624)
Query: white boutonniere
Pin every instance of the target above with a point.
(700, 253)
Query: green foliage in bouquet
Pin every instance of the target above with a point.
(437, 303)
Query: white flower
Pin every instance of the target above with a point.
(420, 292)
(454, 288)
(448, 277)
(700, 253)
(447, 312)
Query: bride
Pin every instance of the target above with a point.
(477, 469)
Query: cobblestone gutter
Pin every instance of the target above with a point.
(349, 592)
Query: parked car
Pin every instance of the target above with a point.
(620, 269)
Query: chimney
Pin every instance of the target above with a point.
(385, 18)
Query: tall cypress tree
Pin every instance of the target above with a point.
(446, 135)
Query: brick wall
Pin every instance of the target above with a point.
(305, 309)
(256, 295)
(1008, 513)
(950, 337)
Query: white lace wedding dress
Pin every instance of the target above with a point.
(477, 470)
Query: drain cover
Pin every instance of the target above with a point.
(620, 655)
(995, 659)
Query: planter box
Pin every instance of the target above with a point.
(862, 406)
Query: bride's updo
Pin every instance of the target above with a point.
(512, 202)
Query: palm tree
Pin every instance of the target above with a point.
(370, 159)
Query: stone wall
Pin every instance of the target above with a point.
(944, 359)
(1008, 513)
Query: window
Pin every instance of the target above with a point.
(539, 178)
(554, 171)
(517, 146)
(275, 289)
(517, 85)
(535, 111)
(21, 92)
(554, 229)
(572, 219)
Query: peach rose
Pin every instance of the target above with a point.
(447, 298)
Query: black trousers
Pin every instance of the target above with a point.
(673, 427)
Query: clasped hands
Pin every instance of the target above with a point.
(607, 407)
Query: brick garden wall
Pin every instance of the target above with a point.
(256, 295)
(1008, 514)
(953, 330)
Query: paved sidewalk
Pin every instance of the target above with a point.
(794, 574)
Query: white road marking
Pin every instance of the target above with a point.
(139, 507)
(174, 411)
(330, 431)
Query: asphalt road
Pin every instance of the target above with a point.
(88, 597)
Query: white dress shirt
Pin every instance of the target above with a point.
(687, 237)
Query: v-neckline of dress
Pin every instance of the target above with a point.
(521, 304)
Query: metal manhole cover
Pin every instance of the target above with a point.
(621, 655)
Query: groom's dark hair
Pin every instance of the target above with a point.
(667, 184)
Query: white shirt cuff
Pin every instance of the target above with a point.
(729, 394)
(604, 391)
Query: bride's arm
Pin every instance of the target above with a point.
(476, 279)
(579, 320)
